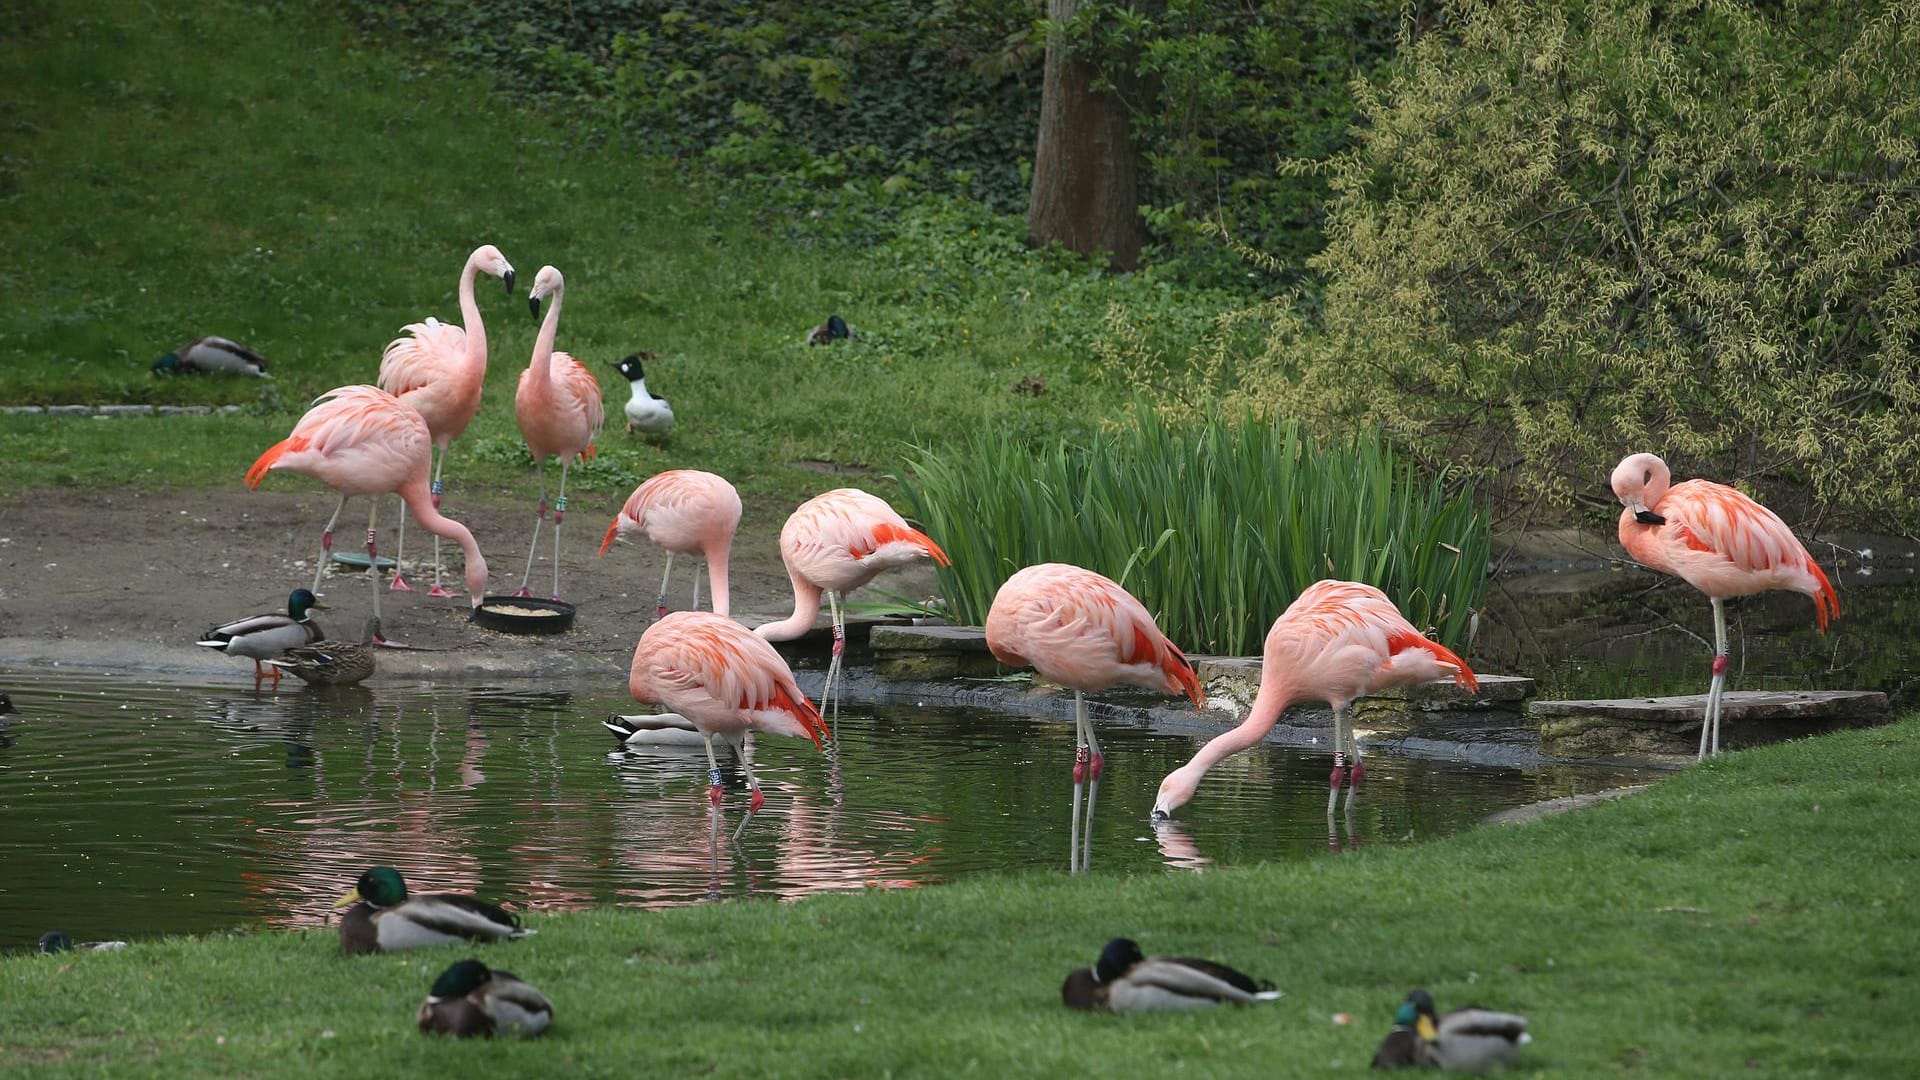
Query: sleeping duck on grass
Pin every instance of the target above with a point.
(1465, 1040)
(1124, 981)
(471, 999)
(212, 355)
(381, 917)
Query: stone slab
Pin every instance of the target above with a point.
(1670, 726)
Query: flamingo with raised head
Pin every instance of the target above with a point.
(726, 681)
(1338, 641)
(438, 370)
(1718, 541)
(688, 512)
(559, 409)
(1083, 631)
(834, 543)
(360, 440)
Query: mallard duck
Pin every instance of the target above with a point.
(6, 704)
(834, 329)
(1124, 981)
(54, 941)
(383, 918)
(655, 729)
(471, 999)
(1465, 1040)
(646, 411)
(333, 663)
(212, 354)
(260, 637)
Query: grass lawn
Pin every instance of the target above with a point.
(1744, 918)
(257, 171)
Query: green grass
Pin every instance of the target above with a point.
(1216, 526)
(260, 172)
(1744, 918)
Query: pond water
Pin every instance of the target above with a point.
(132, 807)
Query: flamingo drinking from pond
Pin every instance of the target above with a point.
(558, 406)
(726, 681)
(1338, 641)
(1718, 541)
(438, 371)
(1082, 630)
(834, 543)
(688, 512)
(360, 440)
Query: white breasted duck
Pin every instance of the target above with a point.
(55, 941)
(265, 637)
(834, 329)
(1124, 981)
(383, 918)
(646, 411)
(470, 999)
(1465, 1040)
(654, 729)
(215, 355)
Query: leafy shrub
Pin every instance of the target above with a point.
(1215, 526)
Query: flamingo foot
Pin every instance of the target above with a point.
(659, 613)
(756, 801)
(522, 592)
(715, 793)
(399, 582)
(441, 592)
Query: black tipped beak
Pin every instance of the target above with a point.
(509, 281)
(1159, 815)
(1648, 517)
(534, 303)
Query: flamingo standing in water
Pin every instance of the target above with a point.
(1082, 630)
(834, 543)
(360, 440)
(438, 371)
(558, 406)
(1718, 541)
(1338, 641)
(688, 512)
(726, 681)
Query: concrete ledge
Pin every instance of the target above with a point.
(931, 652)
(1669, 727)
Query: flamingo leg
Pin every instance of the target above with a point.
(1718, 686)
(559, 514)
(400, 582)
(830, 692)
(326, 543)
(1081, 757)
(714, 791)
(1356, 770)
(373, 555)
(696, 586)
(439, 589)
(1339, 773)
(660, 602)
(755, 800)
(539, 516)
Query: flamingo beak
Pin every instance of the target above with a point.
(534, 303)
(509, 280)
(1647, 517)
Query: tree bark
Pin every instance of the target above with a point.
(1085, 168)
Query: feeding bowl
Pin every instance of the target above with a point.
(357, 560)
(524, 615)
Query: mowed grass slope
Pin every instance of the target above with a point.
(257, 172)
(1752, 917)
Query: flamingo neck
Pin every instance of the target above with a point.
(1268, 705)
(420, 503)
(806, 607)
(542, 365)
(470, 321)
(717, 577)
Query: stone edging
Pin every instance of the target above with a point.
(118, 410)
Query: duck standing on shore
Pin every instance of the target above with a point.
(646, 411)
(268, 636)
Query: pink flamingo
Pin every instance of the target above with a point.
(1718, 541)
(1337, 641)
(1082, 630)
(558, 406)
(836, 542)
(360, 440)
(687, 512)
(726, 682)
(438, 372)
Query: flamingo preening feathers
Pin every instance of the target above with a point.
(1337, 641)
(688, 512)
(1719, 541)
(1082, 630)
(438, 370)
(726, 681)
(360, 440)
(559, 409)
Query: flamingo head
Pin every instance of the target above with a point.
(1176, 791)
(547, 282)
(488, 259)
(476, 578)
(1639, 482)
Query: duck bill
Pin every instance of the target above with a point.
(1425, 1028)
(348, 900)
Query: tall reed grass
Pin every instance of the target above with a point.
(1216, 527)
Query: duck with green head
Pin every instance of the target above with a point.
(382, 917)
(56, 941)
(212, 354)
(1464, 1040)
(1125, 981)
(263, 637)
(471, 999)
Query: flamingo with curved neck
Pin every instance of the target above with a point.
(361, 440)
(439, 370)
(559, 409)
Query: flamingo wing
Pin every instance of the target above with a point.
(1344, 638)
(1080, 628)
(1709, 522)
(702, 664)
(425, 353)
(581, 392)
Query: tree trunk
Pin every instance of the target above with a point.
(1085, 169)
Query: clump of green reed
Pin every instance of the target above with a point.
(1216, 526)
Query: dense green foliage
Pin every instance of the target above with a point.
(1738, 920)
(1572, 229)
(1216, 527)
